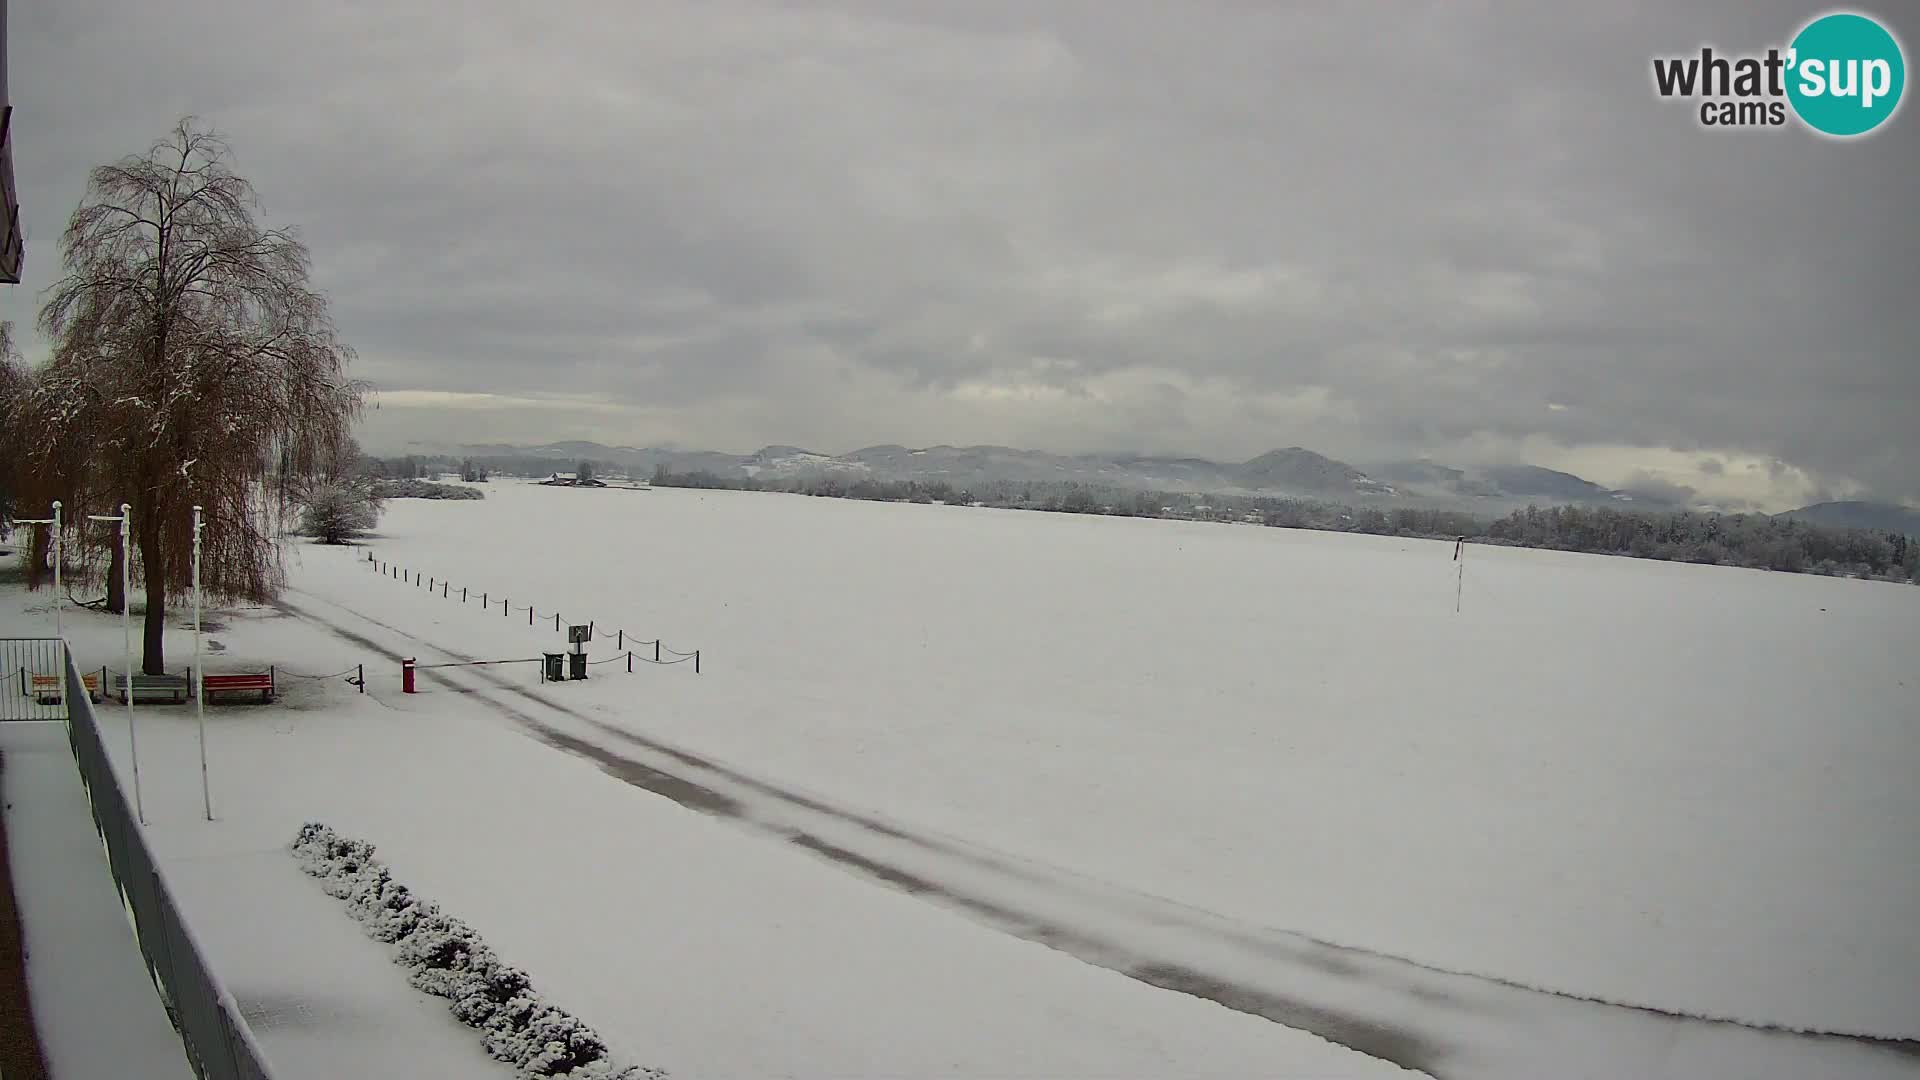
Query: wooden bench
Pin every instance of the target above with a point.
(249, 680)
(170, 688)
(51, 689)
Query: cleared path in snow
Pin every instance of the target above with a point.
(1438, 1022)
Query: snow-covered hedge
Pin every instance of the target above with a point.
(445, 957)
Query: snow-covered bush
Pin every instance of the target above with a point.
(338, 511)
(445, 957)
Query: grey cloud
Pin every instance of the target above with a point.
(1202, 228)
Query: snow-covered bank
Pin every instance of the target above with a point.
(448, 958)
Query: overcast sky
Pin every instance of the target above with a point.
(1379, 230)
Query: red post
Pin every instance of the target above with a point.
(406, 675)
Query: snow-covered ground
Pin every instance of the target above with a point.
(1686, 788)
(689, 944)
(1643, 781)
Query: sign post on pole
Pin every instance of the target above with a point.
(199, 682)
(125, 521)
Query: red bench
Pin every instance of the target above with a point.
(254, 680)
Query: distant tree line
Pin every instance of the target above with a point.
(1748, 540)
(470, 469)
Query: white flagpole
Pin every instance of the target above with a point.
(54, 523)
(199, 681)
(59, 627)
(126, 634)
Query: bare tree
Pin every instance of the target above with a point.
(193, 364)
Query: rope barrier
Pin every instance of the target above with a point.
(296, 675)
(445, 587)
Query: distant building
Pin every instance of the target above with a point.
(567, 479)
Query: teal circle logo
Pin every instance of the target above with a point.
(1845, 74)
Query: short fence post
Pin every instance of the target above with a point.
(629, 661)
(696, 661)
(429, 583)
(620, 642)
(656, 650)
(463, 594)
(443, 590)
(556, 620)
(529, 614)
(406, 675)
(363, 677)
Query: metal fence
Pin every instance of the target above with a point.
(32, 679)
(218, 1042)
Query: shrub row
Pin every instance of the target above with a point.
(424, 489)
(445, 957)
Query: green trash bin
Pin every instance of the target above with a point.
(554, 666)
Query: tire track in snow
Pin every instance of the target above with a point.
(1439, 1022)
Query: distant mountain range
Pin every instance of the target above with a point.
(1293, 471)
(1885, 517)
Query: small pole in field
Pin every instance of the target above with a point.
(620, 642)
(363, 677)
(463, 594)
(696, 661)
(629, 661)
(1460, 572)
(656, 650)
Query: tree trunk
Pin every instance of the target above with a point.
(153, 656)
(42, 549)
(116, 594)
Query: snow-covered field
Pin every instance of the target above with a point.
(1686, 788)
